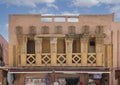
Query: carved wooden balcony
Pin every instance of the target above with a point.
(63, 59)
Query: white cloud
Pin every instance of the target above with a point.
(114, 5)
(4, 30)
(30, 3)
(110, 1)
(70, 13)
(4, 26)
(85, 3)
(39, 11)
(52, 6)
(115, 9)
(90, 3)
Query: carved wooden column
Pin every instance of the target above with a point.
(84, 50)
(53, 45)
(99, 45)
(18, 49)
(69, 42)
(84, 45)
(99, 51)
(19, 35)
(24, 51)
(38, 50)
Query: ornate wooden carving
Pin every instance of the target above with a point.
(99, 32)
(99, 29)
(58, 29)
(71, 29)
(32, 30)
(45, 29)
(19, 30)
(85, 30)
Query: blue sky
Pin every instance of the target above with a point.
(55, 7)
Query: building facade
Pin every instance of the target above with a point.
(63, 50)
(3, 60)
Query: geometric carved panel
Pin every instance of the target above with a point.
(31, 59)
(91, 59)
(46, 59)
(61, 59)
(76, 58)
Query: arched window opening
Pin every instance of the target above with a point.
(30, 46)
(61, 45)
(46, 45)
(92, 45)
(76, 46)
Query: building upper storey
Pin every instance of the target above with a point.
(84, 40)
(59, 24)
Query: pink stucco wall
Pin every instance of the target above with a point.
(111, 30)
(34, 20)
(116, 45)
(4, 45)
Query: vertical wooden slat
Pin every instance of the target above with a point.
(109, 53)
(23, 52)
(10, 55)
(14, 55)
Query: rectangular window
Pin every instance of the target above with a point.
(72, 19)
(46, 19)
(59, 19)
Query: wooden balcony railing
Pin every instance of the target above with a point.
(62, 59)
